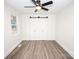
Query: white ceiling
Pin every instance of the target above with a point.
(19, 5)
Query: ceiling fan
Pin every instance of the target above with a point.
(39, 6)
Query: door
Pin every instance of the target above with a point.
(38, 29)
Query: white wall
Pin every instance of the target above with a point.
(38, 29)
(58, 26)
(65, 28)
(11, 39)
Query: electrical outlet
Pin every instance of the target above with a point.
(19, 45)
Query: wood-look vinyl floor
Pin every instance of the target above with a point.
(40, 49)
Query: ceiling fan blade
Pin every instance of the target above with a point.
(36, 10)
(45, 9)
(47, 3)
(29, 6)
(34, 2)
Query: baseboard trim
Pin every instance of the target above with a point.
(70, 52)
(11, 50)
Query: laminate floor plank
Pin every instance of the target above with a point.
(40, 49)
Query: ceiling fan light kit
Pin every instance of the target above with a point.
(39, 5)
